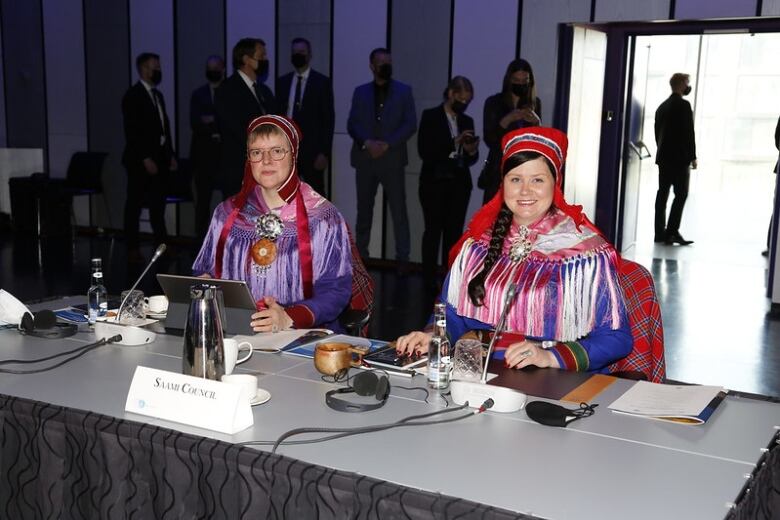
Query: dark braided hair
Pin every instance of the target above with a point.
(500, 229)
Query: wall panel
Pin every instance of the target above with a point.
(483, 59)
(620, 10)
(3, 137)
(697, 9)
(308, 19)
(770, 8)
(66, 82)
(358, 27)
(23, 62)
(252, 19)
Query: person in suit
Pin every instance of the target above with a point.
(765, 252)
(241, 98)
(381, 119)
(306, 96)
(516, 106)
(206, 142)
(447, 146)
(676, 154)
(148, 155)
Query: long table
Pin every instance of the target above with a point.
(94, 459)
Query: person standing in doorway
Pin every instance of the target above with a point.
(381, 120)
(306, 96)
(765, 252)
(676, 155)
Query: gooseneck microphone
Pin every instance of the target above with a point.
(473, 393)
(157, 254)
(508, 299)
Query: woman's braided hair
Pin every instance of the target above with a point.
(500, 229)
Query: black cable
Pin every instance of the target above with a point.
(422, 388)
(47, 358)
(81, 351)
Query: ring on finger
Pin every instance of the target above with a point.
(526, 353)
(274, 328)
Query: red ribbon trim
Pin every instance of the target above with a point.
(304, 246)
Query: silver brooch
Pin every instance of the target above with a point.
(521, 245)
(269, 226)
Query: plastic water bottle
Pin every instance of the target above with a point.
(97, 296)
(439, 350)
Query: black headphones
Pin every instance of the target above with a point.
(365, 383)
(43, 324)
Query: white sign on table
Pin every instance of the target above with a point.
(194, 401)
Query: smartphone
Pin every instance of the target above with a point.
(389, 357)
(71, 316)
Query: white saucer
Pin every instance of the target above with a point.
(261, 397)
(157, 315)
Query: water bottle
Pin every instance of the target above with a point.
(439, 350)
(97, 296)
(204, 352)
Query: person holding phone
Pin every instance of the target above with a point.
(447, 146)
(516, 106)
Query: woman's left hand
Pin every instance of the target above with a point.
(271, 319)
(529, 352)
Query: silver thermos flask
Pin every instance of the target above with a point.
(204, 352)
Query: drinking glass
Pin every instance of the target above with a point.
(467, 363)
(134, 311)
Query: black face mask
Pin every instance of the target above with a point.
(385, 71)
(459, 107)
(298, 60)
(521, 90)
(213, 75)
(687, 90)
(156, 77)
(262, 67)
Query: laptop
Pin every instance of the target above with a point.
(238, 300)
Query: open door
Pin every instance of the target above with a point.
(634, 149)
(584, 115)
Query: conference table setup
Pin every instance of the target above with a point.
(78, 442)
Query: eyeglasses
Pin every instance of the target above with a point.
(276, 154)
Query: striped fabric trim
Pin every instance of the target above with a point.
(573, 356)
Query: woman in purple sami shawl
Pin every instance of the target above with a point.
(297, 266)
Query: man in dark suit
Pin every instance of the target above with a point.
(676, 154)
(148, 154)
(306, 96)
(206, 142)
(382, 118)
(241, 98)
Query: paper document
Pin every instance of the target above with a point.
(691, 404)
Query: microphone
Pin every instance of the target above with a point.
(157, 254)
(476, 392)
(508, 300)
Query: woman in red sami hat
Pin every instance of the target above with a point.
(289, 244)
(569, 311)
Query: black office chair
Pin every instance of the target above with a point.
(179, 189)
(84, 177)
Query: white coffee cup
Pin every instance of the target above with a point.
(156, 304)
(246, 382)
(232, 347)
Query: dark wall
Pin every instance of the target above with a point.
(23, 68)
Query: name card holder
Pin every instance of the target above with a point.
(194, 401)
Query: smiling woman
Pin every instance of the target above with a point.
(569, 311)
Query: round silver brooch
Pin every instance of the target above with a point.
(269, 226)
(521, 245)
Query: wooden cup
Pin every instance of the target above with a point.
(330, 358)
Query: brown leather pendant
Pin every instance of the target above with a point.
(263, 252)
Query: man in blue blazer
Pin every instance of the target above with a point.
(381, 120)
(306, 96)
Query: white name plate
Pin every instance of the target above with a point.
(203, 403)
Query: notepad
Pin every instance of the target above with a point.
(685, 404)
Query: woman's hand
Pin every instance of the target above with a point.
(416, 341)
(527, 353)
(271, 319)
(511, 117)
(529, 115)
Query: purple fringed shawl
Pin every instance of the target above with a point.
(329, 243)
(568, 276)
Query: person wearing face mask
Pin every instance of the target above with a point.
(206, 142)
(306, 96)
(676, 154)
(516, 106)
(448, 147)
(381, 119)
(148, 155)
(241, 98)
